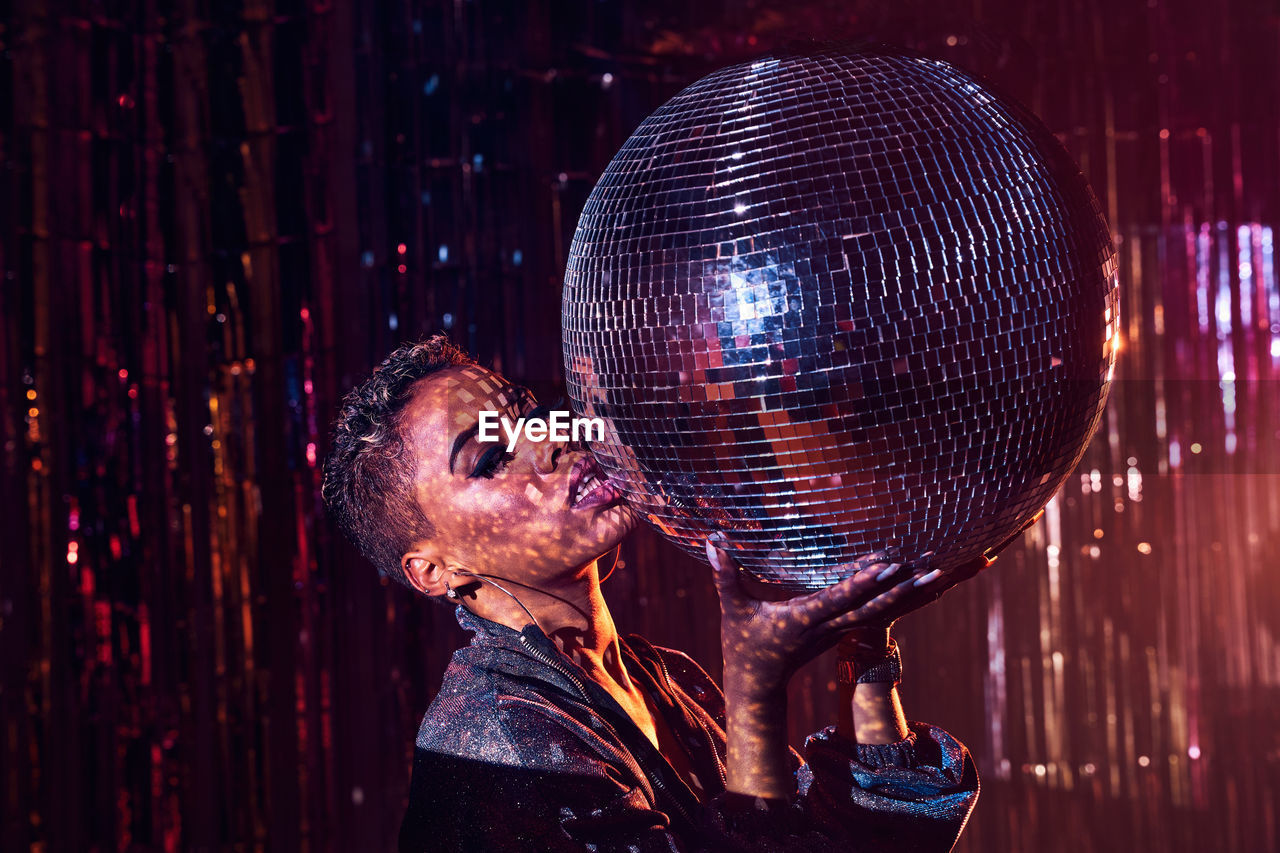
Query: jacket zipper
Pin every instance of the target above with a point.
(724, 779)
(554, 664)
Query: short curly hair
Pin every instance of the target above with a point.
(368, 482)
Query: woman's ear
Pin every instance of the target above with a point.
(425, 572)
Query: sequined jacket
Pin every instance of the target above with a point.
(522, 751)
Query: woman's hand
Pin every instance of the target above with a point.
(930, 586)
(765, 641)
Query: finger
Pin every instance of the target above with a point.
(852, 591)
(724, 574)
(927, 578)
(936, 583)
(879, 607)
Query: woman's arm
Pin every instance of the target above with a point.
(893, 785)
(764, 642)
(869, 713)
(890, 785)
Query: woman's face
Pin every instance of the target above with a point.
(532, 514)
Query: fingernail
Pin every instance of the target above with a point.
(714, 555)
(928, 578)
(889, 572)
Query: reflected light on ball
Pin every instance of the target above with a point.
(840, 302)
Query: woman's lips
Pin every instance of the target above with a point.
(588, 486)
(603, 495)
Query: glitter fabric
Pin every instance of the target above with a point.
(830, 304)
(522, 751)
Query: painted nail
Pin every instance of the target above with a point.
(929, 577)
(889, 572)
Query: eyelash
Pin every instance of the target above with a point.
(496, 458)
(491, 462)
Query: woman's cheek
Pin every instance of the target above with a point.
(509, 509)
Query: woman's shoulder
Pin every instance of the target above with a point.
(465, 714)
(499, 704)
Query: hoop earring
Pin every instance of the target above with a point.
(617, 553)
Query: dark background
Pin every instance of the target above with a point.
(215, 217)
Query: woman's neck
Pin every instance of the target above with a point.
(573, 614)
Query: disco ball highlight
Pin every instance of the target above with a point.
(841, 302)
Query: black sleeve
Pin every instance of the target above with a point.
(550, 789)
(469, 806)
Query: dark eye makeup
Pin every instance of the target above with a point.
(493, 460)
(496, 457)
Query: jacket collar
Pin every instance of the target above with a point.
(490, 635)
(530, 643)
(479, 625)
(498, 643)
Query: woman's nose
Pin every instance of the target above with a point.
(547, 455)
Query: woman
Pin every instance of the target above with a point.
(550, 731)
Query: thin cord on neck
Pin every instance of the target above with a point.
(501, 589)
(617, 553)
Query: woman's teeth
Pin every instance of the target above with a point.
(589, 484)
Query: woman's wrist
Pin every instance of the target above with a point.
(868, 670)
(876, 714)
(756, 741)
(756, 746)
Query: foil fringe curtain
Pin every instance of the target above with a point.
(217, 216)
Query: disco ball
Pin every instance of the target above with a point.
(840, 302)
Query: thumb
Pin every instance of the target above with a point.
(724, 572)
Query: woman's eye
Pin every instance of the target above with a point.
(491, 462)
